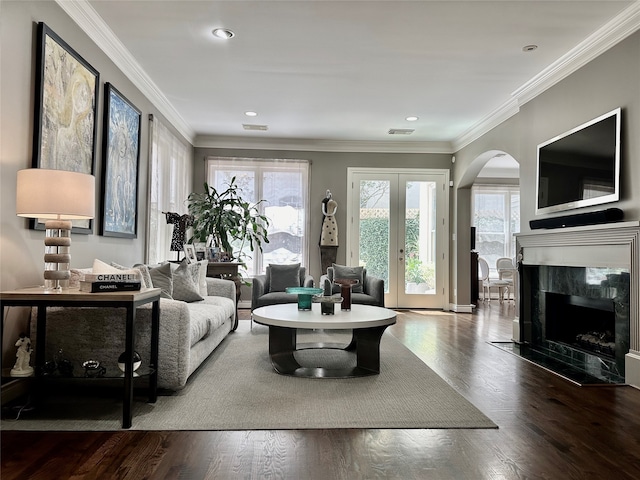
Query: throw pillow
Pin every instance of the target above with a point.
(348, 273)
(202, 281)
(161, 278)
(283, 276)
(77, 274)
(145, 278)
(101, 267)
(185, 282)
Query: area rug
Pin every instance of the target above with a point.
(237, 389)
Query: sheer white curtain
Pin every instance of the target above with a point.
(284, 185)
(170, 178)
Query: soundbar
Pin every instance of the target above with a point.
(579, 219)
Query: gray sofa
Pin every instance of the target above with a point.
(189, 332)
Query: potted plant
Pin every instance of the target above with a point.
(232, 222)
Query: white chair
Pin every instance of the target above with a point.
(506, 271)
(487, 283)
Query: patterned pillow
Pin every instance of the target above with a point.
(77, 274)
(186, 282)
(145, 278)
(283, 276)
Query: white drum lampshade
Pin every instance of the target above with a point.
(57, 196)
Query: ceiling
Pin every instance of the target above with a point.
(347, 71)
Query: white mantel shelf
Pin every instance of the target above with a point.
(605, 245)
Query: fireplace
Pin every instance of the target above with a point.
(578, 303)
(580, 317)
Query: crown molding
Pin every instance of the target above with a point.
(314, 145)
(495, 118)
(612, 33)
(616, 30)
(94, 26)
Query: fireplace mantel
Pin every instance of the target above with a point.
(608, 245)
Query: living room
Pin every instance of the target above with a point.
(603, 79)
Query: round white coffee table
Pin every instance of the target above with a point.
(367, 323)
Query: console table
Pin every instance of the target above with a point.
(37, 297)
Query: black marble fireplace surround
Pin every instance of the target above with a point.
(578, 303)
(579, 318)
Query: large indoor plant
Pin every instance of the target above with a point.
(230, 221)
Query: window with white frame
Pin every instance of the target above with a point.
(496, 216)
(284, 187)
(170, 178)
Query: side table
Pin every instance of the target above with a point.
(228, 271)
(36, 297)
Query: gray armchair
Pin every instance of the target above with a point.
(269, 289)
(370, 290)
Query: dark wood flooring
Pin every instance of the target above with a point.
(549, 428)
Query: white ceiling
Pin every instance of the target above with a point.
(348, 71)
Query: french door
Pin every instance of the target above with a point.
(398, 230)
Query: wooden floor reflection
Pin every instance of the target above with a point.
(548, 427)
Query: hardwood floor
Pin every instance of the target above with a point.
(549, 428)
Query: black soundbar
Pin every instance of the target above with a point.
(579, 219)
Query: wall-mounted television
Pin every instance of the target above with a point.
(581, 167)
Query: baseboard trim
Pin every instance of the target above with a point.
(632, 368)
(461, 308)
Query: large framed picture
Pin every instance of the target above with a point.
(120, 163)
(66, 96)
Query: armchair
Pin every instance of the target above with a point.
(269, 289)
(370, 290)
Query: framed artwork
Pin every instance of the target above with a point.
(66, 96)
(190, 253)
(120, 163)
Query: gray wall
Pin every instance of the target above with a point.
(21, 249)
(609, 81)
(328, 172)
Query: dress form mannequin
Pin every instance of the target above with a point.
(328, 233)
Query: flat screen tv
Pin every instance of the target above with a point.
(581, 167)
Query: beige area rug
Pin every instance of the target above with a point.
(237, 389)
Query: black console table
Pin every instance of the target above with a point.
(37, 297)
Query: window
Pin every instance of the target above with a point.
(496, 216)
(170, 177)
(283, 185)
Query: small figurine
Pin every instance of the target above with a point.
(23, 355)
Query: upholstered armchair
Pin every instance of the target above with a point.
(269, 289)
(368, 291)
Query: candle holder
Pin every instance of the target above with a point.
(327, 303)
(304, 295)
(345, 290)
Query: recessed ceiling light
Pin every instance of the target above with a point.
(251, 114)
(529, 48)
(411, 119)
(223, 33)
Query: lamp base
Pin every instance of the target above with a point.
(57, 256)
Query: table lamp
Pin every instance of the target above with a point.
(57, 196)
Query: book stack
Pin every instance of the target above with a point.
(110, 282)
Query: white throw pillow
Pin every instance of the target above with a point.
(202, 283)
(101, 267)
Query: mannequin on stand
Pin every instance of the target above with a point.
(180, 225)
(328, 233)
